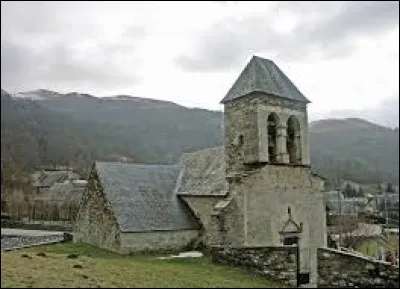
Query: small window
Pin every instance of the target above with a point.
(241, 141)
(290, 241)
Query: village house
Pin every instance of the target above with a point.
(256, 190)
(44, 179)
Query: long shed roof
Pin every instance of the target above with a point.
(143, 197)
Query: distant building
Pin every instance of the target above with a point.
(57, 194)
(60, 202)
(337, 204)
(43, 180)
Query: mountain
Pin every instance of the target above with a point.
(355, 149)
(42, 126)
(80, 128)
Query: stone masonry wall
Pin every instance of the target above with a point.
(157, 241)
(247, 118)
(203, 208)
(342, 269)
(95, 223)
(277, 263)
(336, 269)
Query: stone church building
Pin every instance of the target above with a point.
(256, 190)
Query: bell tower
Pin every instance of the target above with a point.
(268, 166)
(265, 118)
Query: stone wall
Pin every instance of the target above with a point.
(245, 127)
(278, 263)
(157, 241)
(342, 269)
(262, 199)
(335, 268)
(203, 208)
(95, 223)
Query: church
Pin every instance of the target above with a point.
(258, 189)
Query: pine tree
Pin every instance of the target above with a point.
(360, 192)
(348, 191)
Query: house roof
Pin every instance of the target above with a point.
(49, 178)
(143, 197)
(263, 75)
(203, 173)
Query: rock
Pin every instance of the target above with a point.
(383, 274)
(26, 256)
(377, 281)
(72, 256)
(326, 255)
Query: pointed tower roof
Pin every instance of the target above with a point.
(263, 75)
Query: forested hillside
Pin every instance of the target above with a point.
(44, 127)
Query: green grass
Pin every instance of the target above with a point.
(370, 247)
(102, 268)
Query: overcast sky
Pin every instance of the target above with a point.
(343, 56)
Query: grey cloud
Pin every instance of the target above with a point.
(322, 28)
(38, 41)
(17, 64)
(60, 64)
(212, 50)
(386, 113)
(134, 32)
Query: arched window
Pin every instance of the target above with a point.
(272, 123)
(293, 140)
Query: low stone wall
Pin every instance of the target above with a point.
(277, 263)
(157, 241)
(343, 269)
(335, 268)
(37, 225)
(9, 243)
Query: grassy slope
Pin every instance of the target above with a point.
(369, 247)
(101, 268)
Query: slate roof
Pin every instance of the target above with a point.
(49, 178)
(143, 197)
(263, 75)
(203, 173)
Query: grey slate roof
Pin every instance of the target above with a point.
(203, 173)
(263, 75)
(49, 178)
(143, 197)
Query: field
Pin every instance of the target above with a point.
(79, 265)
(370, 247)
